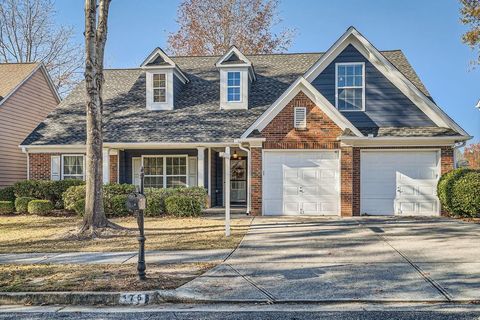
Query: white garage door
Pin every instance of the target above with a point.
(301, 182)
(399, 182)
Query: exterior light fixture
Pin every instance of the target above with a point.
(235, 155)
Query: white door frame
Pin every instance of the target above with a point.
(305, 150)
(439, 167)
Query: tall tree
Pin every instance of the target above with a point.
(212, 26)
(471, 153)
(28, 34)
(470, 16)
(95, 39)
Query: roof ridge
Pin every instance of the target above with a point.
(269, 54)
(4, 63)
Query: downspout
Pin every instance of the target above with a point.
(25, 150)
(249, 165)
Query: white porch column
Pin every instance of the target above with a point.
(201, 166)
(106, 165)
(226, 156)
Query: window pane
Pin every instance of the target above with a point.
(176, 166)
(358, 81)
(233, 94)
(350, 70)
(153, 166)
(358, 69)
(159, 95)
(233, 79)
(73, 167)
(153, 182)
(176, 182)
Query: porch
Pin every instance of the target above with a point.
(200, 166)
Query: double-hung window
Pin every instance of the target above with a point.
(73, 167)
(159, 87)
(233, 86)
(350, 86)
(165, 171)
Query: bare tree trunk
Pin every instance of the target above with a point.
(95, 38)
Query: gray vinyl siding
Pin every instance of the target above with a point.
(385, 104)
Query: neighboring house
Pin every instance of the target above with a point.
(346, 132)
(27, 96)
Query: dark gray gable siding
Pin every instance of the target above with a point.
(177, 89)
(385, 104)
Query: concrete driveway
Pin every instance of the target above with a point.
(351, 259)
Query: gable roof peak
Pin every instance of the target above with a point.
(233, 57)
(157, 57)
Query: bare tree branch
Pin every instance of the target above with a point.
(212, 26)
(28, 34)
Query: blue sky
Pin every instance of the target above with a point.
(427, 31)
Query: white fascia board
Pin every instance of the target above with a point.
(50, 82)
(353, 37)
(317, 98)
(401, 141)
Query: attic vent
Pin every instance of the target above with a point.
(300, 117)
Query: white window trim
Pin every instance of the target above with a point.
(165, 87)
(304, 126)
(164, 160)
(63, 161)
(338, 64)
(239, 87)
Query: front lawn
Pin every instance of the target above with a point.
(104, 277)
(30, 233)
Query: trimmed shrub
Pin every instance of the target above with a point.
(72, 195)
(7, 194)
(111, 191)
(79, 207)
(118, 207)
(46, 190)
(182, 206)
(156, 200)
(40, 206)
(6, 207)
(465, 195)
(445, 185)
(21, 204)
(199, 194)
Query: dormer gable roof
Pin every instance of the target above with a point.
(235, 58)
(159, 59)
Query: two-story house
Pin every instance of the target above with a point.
(348, 131)
(27, 96)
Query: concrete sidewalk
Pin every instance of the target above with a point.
(164, 256)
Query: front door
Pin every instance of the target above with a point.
(238, 169)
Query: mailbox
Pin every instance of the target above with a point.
(136, 201)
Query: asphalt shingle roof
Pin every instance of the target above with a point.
(12, 74)
(405, 132)
(197, 116)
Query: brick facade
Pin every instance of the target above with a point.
(113, 174)
(39, 166)
(321, 133)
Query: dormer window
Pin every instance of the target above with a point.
(163, 81)
(233, 86)
(350, 86)
(236, 75)
(159, 87)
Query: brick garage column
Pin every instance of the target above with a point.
(446, 159)
(346, 182)
(356, 182)
(113, 167)
(39, 166)
(256, 181)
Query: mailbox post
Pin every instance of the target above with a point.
(137, 202)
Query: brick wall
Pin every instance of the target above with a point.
(321, 131)
(113, 174)
(346, 181)
(447, 160)
(256, 181)
(39, 166)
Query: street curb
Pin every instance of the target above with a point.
(163, 296)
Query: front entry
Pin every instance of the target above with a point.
(238, 181)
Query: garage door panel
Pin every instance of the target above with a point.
(399, 182)
(308, 185)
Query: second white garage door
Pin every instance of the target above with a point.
(301, 182)
(399, 182)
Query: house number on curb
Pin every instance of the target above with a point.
(133, 298)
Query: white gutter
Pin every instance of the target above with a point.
(399, 141)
